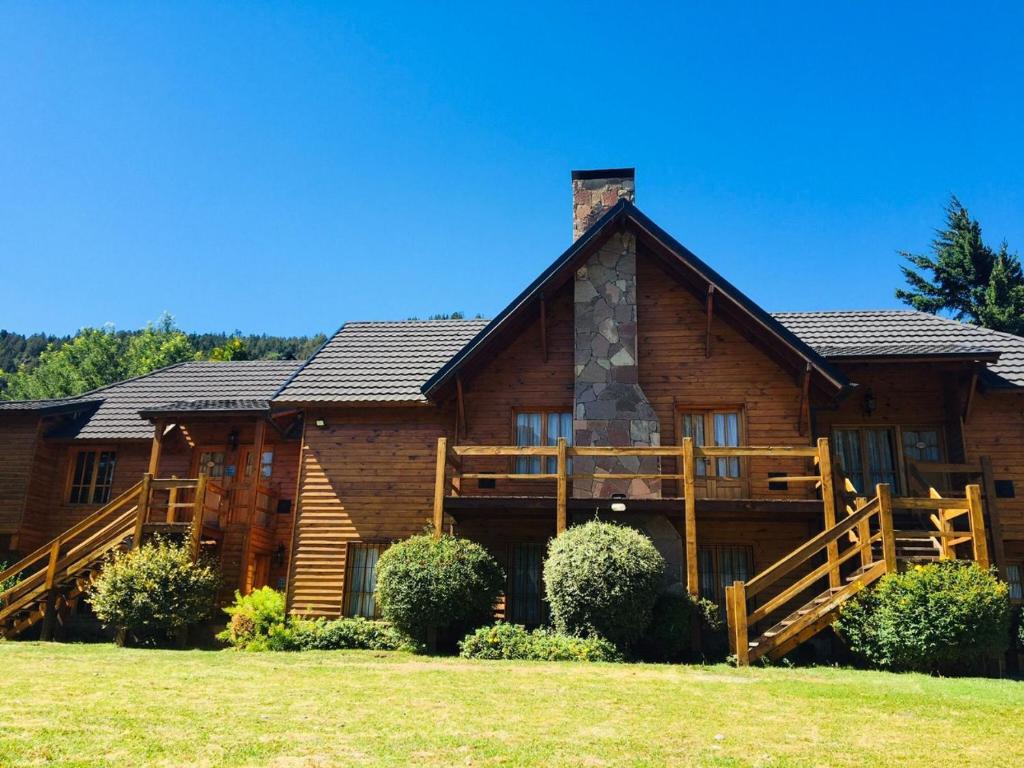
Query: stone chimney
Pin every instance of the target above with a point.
(610, 408)
(594, 192)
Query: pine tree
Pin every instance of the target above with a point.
(965, 277)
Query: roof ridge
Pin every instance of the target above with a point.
(302, 366)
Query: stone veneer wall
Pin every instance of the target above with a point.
(610, 406)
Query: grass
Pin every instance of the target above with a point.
(91, 705)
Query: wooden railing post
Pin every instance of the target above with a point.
(742, 639)
(172, 500)
(994, 515)
(439, 479)
(50, 615)
(142, 510)
(828, 500)
(688, 470)
(198, 511)
(730, 614)
(976, 516)
(884, 495)
(867, 557)
(562, 500)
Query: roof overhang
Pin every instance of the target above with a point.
(683, 263)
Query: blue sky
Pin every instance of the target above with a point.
(284, 167)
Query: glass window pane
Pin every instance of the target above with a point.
(528, 432)
(361, 580)
(558, 425)
(847, 447)
(524, 601)
(104, 478)
(1013, 578)
(727, 434)
(921, 445)
(693, 426)
(881, 458)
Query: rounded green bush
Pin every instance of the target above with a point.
(427, 585)
(950, 617)
(155, 590)
(602, 579)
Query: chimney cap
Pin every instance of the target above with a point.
(604, 173)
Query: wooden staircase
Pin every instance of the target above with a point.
(814, 581)
(53, 578)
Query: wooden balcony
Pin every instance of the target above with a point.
(451, 492)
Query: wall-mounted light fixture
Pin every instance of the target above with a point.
(233, 439)
(321, 423)
(279, 555)
(618, 502)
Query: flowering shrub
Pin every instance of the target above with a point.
(512, 641)
(253, 618)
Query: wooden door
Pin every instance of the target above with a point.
(718, 478)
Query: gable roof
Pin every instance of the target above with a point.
(900, 333)
(378, 361)
(115, 409)
(620, 213)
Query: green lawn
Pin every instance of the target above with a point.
(101, 705)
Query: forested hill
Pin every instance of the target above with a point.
(41, 365)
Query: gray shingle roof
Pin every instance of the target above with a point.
(379, 361)
(207, 405)
(895, 333)
(45, 406)
(117, 416)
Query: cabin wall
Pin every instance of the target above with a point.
(368, 475)
(995, 429)
(17, 446)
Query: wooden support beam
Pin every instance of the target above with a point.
(157, 447)
(885, 524)
(258, 444)
(688, 470)
(709, 309)
(739, 606)
(439, 480)
(198, 509)
(979, 540)
(995, 521)
(544, 326)
(142, 510)
(50, 609)
(828, 502)
(972, 390)
(562, 496)
(804, 419)
(461, 406)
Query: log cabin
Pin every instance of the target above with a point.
(779, 462)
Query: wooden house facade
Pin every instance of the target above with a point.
(630, 382)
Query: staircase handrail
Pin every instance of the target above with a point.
(808, 549)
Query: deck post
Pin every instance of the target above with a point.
(439, 473)
(730, 612)
(994, 518)
(688, 469)
(977, 519)
(562, 501)
(157, 447)
(828, 500)
(50, 615)
(198, 510)
(885, 523)
(739, 607)
(142, 509)
(172, 500)
(864, 533)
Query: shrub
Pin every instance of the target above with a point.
(253, 618)
(602, 579)
(512, 641)
(324, 635)
(949, 617)
(10, 581)
(155, 590)
(426, 586)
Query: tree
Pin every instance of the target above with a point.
(965, 277)
(232, 349)
(157, 347)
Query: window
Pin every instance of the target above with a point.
(524, 595)
(714, 428)
(922, 444)
(720, 566)
(541, 428)
(92, 477)
(212, 463)
(1014, 572)
(266, 464)
(868, 456)
(361, 579)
